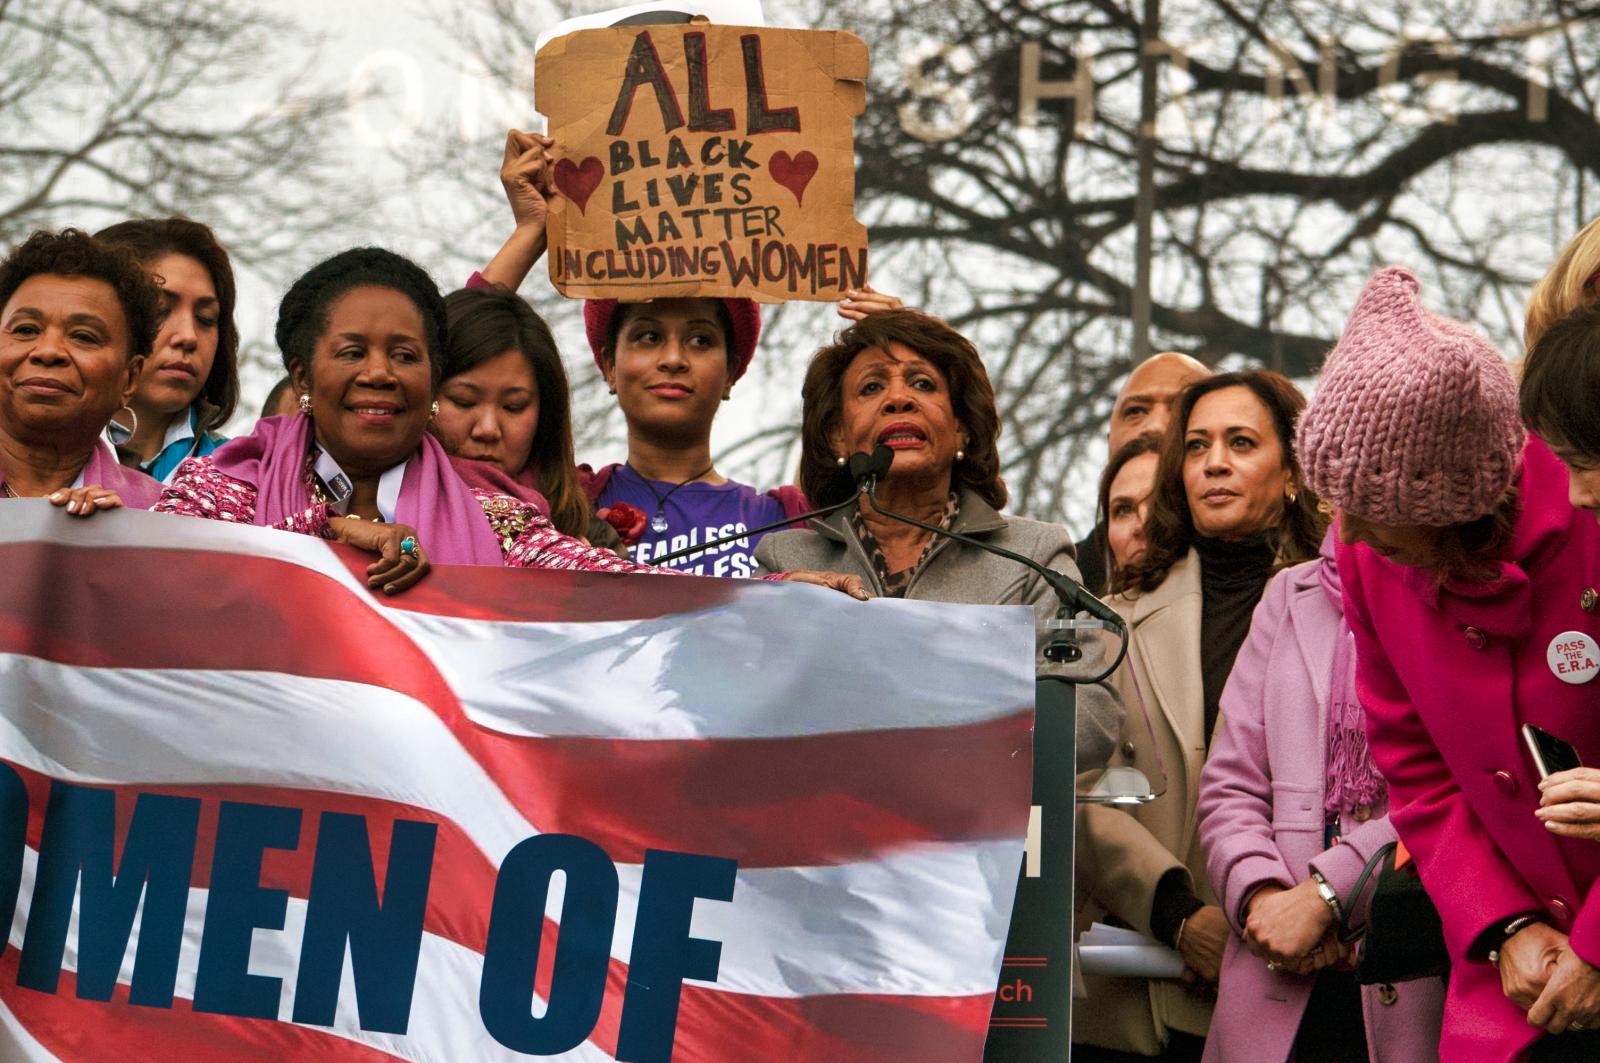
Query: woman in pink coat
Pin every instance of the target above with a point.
(1289, 770)
(1469, 586)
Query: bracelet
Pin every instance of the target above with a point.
(1177, 939)
(1329, 896)
(1511, 929)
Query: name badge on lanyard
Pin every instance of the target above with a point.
(335, 484)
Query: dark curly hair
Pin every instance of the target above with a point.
(303, 314)
(1169, 531)
(484, 324)
(74, 253)
(153, 238)
(971, 397)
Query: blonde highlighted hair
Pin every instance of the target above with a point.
(1573, 282)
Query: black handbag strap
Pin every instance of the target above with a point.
(1375, 864)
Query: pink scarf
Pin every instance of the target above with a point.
(1352, 779)
(136, 490)
(433, 499)
(487, 476)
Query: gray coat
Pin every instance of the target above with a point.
(955, 572)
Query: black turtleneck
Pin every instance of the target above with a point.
(1233, 575)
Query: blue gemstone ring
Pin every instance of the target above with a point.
(408, 546)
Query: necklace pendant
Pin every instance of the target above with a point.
(658, 523)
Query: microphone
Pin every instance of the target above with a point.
(865, 470)
(1074, 597)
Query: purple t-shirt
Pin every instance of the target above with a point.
(695, 513)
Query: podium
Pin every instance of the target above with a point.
(1032, 1016)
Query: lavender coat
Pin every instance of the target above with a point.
(1261, 823)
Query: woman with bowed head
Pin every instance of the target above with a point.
(504, 409)
(1465, 579)
(910, 382)
(78, 317)
(1291, 810)
(190, 385)
(1228, 509)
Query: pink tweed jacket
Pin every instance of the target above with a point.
(527, 538)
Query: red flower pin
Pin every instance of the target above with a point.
(628, 520)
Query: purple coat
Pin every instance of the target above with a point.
(1447, 676)
(1261, 823)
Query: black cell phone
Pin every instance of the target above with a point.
(1550, 754)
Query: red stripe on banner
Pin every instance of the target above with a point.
(841, 797)
(714, 796)
(546, 595)
(74, 1029)
(843, 1028)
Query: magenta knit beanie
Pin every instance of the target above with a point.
(743, 313)
(1414, 419)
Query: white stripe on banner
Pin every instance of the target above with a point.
(675, 676)
(858, 927)
(17, 1045)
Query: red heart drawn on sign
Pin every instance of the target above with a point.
(793, 173)
(578, 182)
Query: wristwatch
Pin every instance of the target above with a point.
(1507, 932)
(1329, 896)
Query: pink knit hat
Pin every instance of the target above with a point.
(1414, 419)
(743, 313)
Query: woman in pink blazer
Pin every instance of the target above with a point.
(1469, 586)
(1288, 768)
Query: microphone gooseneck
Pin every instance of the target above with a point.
(1074, 597)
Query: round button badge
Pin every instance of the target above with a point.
(1574, 657)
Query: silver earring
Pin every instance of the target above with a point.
(305, 404)
(960, 454)
(134, 414)
(839, 461)
(434, 410)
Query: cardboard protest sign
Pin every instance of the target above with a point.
(702, 160)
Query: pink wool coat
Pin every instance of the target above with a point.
(1447, 678)
(1261, 823)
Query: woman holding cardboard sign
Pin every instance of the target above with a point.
(671, 363)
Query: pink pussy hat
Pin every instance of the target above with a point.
(1414, 419)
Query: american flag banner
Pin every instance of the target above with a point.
(251, 811)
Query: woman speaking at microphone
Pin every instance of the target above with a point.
(910, 382)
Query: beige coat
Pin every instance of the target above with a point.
(1123, 854)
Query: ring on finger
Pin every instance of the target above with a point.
(408, 546)
(1274, 965)
(1576, 1027)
